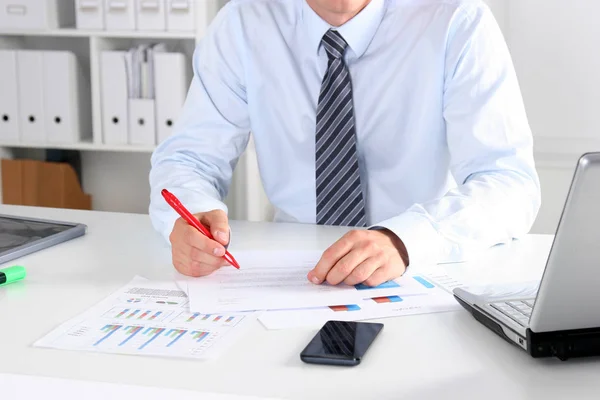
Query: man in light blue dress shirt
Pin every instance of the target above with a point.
(400, 115)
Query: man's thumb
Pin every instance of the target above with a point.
(218, 224)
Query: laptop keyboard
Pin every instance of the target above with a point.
(519, 311)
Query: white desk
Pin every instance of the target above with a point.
(421, 357)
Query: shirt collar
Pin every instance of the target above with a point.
(358, 32)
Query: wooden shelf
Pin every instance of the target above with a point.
(83, 146)
(72, 32)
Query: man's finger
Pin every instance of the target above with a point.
(346, 265)
(181, 267)
(204, 258)
(218, 223)
(381, 275)
(199, 269)
(197, 240)
(363, 272)
(181, 261)
(329, 258)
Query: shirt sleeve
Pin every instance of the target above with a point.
(196, 162)
(491, 153)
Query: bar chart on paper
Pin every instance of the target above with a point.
(140, 339)
(206, 320)
(349, 307)
(137, 314)
(130, 327)
(108, 331)
(387, 299)
(422, 297)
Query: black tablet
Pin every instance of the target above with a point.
(20, 236)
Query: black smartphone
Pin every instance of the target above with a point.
(341, 343)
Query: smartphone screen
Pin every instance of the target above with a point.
(341, 343)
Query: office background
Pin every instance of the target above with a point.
(557, 67)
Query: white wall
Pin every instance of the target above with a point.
(117, 181)
(500, 10)
(554, 46)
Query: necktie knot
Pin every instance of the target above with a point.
(334, 44)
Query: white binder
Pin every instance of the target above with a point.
(30, 64)
(9, 106)
(119, 15)
(114, 95)
(150, 15)
(172, 77)
(36, 14)
(66, 102)
(142, 129)
(181, 15)
(90, 14)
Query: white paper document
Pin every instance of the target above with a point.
(435, 300)
(148, 318)
(444, 280)
(17, 387)
(262, 259)
(452, 276)
(274, 286)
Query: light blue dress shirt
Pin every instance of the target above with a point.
(445, 149)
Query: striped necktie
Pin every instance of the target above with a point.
(339, 192)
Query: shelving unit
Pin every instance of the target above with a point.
(81, 146)
(73, 32)
(87, 46)
(117, 175)
(106, 169)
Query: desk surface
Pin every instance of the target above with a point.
(419, 357)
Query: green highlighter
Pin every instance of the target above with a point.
(12, 274)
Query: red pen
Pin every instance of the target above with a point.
(193, 221)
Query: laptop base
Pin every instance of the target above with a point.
(563, 345)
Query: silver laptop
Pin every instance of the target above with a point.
(563, 318)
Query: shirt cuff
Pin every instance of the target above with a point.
(423, 243)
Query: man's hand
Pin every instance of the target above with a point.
(370, 257)
(193, 253)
